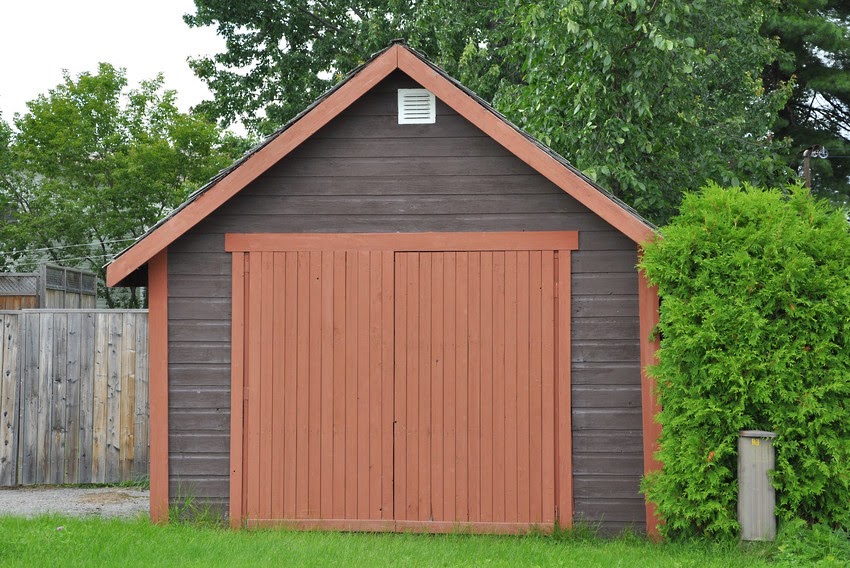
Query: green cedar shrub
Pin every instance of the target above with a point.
(801, 544)
(755, 334)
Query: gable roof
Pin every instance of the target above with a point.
(397, 56)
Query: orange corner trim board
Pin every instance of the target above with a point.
(393, 58)
(648, 306)
(158, 346)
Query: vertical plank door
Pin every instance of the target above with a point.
(475, 430)
(317, 434)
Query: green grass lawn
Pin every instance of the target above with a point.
(99, 542)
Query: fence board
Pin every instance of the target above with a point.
(9, 393)
(113, 395)
(87, 350)
(128, 395)
(73, 396)
(99, 399)
(44, 380)
(28, 434)
(61, 407)
(72, 400)
(56, 453)
(140, 408)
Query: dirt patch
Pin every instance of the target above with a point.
(74, 501)
(105, 498)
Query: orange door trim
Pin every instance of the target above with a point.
(347, 525)
(400, 242)
(563, 392)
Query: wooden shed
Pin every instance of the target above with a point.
(400, 312)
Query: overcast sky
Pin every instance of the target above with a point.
(39, 38)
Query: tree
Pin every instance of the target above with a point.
(93, 164)
(281, 55)
(648, 97)
(6, 174)
(815, 38)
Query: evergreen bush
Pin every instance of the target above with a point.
(755, 334)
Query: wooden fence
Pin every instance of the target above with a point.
(52, 287)
(73, 396)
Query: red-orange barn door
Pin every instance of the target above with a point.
(392, 390)
(475, 389)
(318, 387)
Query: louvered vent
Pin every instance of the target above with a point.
(416, 106)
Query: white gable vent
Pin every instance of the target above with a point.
(416, 106)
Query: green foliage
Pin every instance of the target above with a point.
(142, 482)
(799, 544)
(93, 164)
(186, 508)
(5, 151)
(647, 97)
(282, 55)
(755, 334)
(815, 38)
(6, 175)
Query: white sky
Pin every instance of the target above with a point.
(39, 38)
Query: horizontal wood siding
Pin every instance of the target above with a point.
(607, 435)
(365, 173)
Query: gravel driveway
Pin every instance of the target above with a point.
(74, 501)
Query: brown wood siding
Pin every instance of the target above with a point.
(607, 434)
(365, 173)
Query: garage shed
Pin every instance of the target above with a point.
(400, 312)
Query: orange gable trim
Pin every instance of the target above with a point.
(395, 57)
(650, 407)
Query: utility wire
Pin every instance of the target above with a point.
(45, 249)
(90, 256)
(87, 257)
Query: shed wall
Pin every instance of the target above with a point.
(365, 173)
